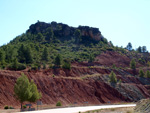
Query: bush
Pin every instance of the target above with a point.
(112, 77)
(35, 67)
(53, 75)
(141, 73)
(11, 107)
(67, 65)
(133, 64)
(44, 66)
(58, 103)
(24, 106)
(18, 67)
(148, 74)
(6, 107)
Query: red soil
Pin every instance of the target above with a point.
(69, 89)
(53, 89)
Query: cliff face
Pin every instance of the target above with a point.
(63, 30)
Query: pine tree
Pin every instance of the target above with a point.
(144, 50)
(129, 46)
(2, 56)
(91, 58)
(112, 77)
(35, 95)
(26, 90)
(148, 74)
(21, 54)
(28, 55)
(139, 49)
(141, 73)
(25, 54)
(58, 60)
(45, 54)
(22, 89)
(133, 64)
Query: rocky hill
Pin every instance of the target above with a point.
(91, 57)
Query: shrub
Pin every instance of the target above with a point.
(58, 103)
(11, 107)
(6, 107)
(19, 66)
(141, 73)
(148, 74)
(112, 77)
(53, 75)
(133, 64)
(44, 66)
(66, 65)
(51, 66)
(24, 106)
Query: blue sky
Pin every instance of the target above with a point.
(120, 21)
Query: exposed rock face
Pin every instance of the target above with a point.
(63, 30)
(58, 88)
(94, 33)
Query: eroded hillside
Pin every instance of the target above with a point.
(84, 83)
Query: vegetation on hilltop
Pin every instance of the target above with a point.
(42, 42)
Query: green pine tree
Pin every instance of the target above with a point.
(58, 60)
(26, 90)
(22, 89)
(28, 55)
(112, 77)
(148, 74)
(141, 73)
(133, 64)
(34, 92)
(45, 54)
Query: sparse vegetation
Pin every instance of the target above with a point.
(148, 74)
(133, 64)
(58, 103)
(112, 77)
(141, 73)
(6, 107)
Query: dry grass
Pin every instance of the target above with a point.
(9, 111)
(113, 110)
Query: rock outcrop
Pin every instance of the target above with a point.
(63, 30)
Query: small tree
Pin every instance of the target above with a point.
(15, 64)
(148, 74)
(141, 73)
(148, 63)
(139, 49)
(45, 54)
(22, 89)
(58, 103)
(35, 94)
(129, 46)
(26, 91)
(91, 58)
(67, 64)
(58, 60)
(133, 64)
(144, 49)
(112, 77)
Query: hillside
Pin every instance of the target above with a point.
(82, 75)
(76, 44)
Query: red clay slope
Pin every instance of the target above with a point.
(66, 90)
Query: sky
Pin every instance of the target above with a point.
(120, 21)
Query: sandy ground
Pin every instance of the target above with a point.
(113, 110)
